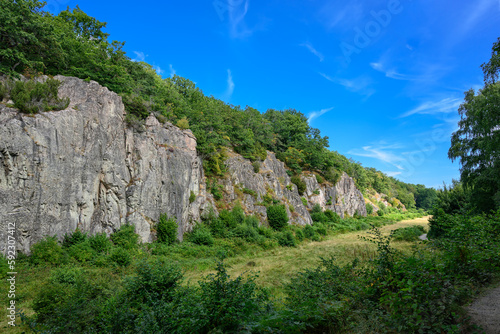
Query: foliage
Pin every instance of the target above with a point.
(304, 201)
(192, 197)
(277, 216)
(369, 208)
(166, 230)
(408, 233)
(256, 166)
(286, 238)
(99, 242)
(125, 237)
(33, 97)
(74, 238)
(48, 251)
(301, 185)
(201, 235)
(120, 256)
(476, 144)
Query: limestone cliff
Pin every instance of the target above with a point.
(82, 167)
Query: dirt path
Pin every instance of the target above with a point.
(485, 311)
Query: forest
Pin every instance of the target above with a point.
(387, 281)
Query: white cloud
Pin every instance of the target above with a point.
(390, 73)
(158, 69)
(172, 70)
(359, 85)
(139, 56)
(237, 13)
(316, 114)
(392, 173)
(313, 51)
(382, 152)
(230, 86)
(446, 105)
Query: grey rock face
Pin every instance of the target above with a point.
(342, 198)
(271, 179)
(82, 167)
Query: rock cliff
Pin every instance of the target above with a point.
(82, 167)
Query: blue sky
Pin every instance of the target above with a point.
(382, 79)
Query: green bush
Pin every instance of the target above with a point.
(82, 252)
(250, 192)
(304, 201)
(252, 221)
(369, 208)
(286, 239)
(277, 216)
(310, 233)
(74, 238)
(201, 235)
(121, 257)
(319, 178)
(32, 97)
(125, 237)
(301, 185)
(100, 242)
(332, 216)
(247, 232)
(256, 166)
(408, 233)
(166, 230)
(192, 197)
(48, 251)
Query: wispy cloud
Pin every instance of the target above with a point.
(390, 73)
(392, 173)
(313, 50)
(172, 70)
(360, 85)
(237, 12)
(344, 15)
(230, 86)
(139, 56)
(446, 105)
(381, 152)
(316, 114)
(158, 69)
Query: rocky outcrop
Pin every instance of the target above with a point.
(343, 198)
(82, 167)
(249, 187)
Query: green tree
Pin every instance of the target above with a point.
(477, 145)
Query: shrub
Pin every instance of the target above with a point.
(249, 233)
(277, 216)
(99, 242)
(192, 197)
(316, 192)
(332, 216)
(369, 208)
(319, 179)
(82, 252)
(408, 233)
(47, 250)
(380, 213)
(154, 281)
(121, 257)
(252, 221)
(310, 233)
(320, 228)
(183, 123)
(256, 166)
(32, 97)
(250, 192)
(74, 238)
(304, 201)
(65, 275)
(166, 230)
(301, 185)
(299, 235)
(125, 237)
(201, 235)
(286, 239)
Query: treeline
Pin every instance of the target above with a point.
(72, 43)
